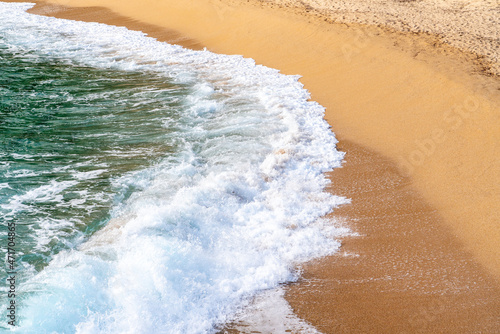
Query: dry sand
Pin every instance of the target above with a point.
(420, 123)
(472, 25)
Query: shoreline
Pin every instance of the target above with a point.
(404, 273)
(427, 108)
(480, 96)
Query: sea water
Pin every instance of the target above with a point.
(148, 188)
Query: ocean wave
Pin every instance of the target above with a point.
(227, 213)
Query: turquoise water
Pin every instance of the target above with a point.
(153, 189)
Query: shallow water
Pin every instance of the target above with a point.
(152, 188)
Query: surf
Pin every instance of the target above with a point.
(196, 179)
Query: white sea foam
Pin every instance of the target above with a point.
(21, 173)
(270, 313)
(226, 216)
(88, 175)
(47, 193)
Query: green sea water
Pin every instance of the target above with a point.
(68, 133)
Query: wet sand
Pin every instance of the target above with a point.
(419, 121)
(404, 273)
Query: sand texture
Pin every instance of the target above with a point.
(472, 25)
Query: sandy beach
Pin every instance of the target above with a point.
(419, 121)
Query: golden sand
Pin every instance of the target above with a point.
(424, 113)
(471, 25)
